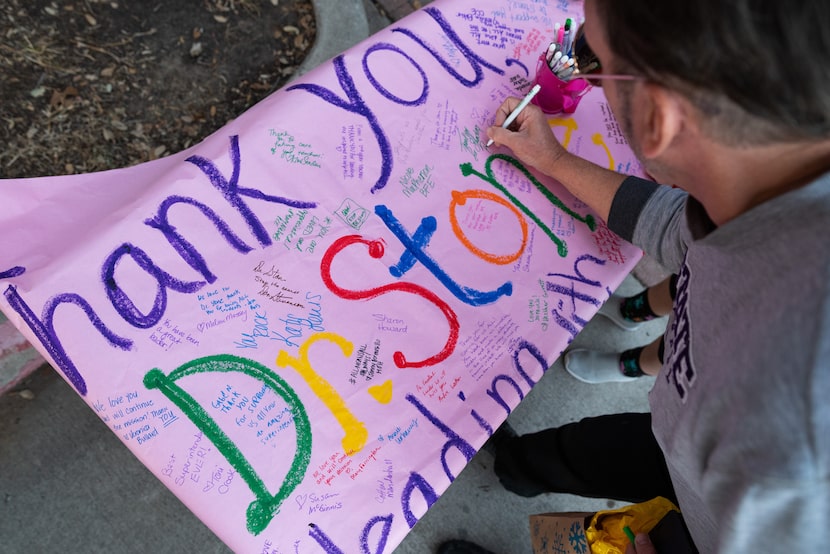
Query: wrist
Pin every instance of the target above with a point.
(557, 162)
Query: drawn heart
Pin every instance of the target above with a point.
(382, 393)
(301, 500)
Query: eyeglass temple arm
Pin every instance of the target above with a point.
(601, 76)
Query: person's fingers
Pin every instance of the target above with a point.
(530, 116)
(642, 545)
(506, 109)
(510, 104)
(497, 134)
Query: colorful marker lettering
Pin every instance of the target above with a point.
(376, 250)
(355, 430)
(266, 505)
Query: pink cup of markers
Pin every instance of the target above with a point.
(559, 93)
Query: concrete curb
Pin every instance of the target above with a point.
(18, 358)
(340, 25)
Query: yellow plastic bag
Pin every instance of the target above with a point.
(605, 533)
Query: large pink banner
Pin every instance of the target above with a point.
(307, 324)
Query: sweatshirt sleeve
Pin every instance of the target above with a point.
(653, 218)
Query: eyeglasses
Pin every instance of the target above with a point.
(595, 78)
(587, 64)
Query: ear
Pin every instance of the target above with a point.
(662, 119)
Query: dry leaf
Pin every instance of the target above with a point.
(138, 131)
(64, 97)
(108, 71)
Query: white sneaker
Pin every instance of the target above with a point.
(590, 366)
(611, 310)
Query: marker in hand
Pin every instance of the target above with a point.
(515, 113)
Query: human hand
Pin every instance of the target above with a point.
(529, 136)
(642, 545)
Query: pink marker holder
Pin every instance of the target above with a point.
(557, 96)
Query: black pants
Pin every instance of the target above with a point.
(614, 456)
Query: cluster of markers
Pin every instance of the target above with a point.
(560, 54)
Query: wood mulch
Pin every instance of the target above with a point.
(88, 85)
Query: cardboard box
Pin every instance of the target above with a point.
(560, 533)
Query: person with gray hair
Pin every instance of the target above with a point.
(729, 103)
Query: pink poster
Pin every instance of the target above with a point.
(306, 325)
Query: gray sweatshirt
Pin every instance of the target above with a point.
(741, 407)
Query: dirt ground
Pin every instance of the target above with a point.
(88, 85)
